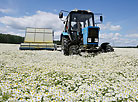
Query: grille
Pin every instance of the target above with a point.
(93, 33)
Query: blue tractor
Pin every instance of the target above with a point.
(81, 33)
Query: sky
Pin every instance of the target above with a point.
(119, 27)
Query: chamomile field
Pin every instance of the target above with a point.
(45, 76)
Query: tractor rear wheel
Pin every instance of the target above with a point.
(64, 46)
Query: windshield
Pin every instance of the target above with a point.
(84, 19)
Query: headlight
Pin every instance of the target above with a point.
(89, 39)
(96, 40)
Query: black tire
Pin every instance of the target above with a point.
(64, 46)
(108, 48)
(74, 50)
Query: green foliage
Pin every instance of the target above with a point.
(57, 42)
(6, 96)
(12, 39)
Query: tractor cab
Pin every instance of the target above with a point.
(77, 23)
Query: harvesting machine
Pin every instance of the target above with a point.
(81, 33)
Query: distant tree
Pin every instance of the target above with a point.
(137, 46)
(13, 39)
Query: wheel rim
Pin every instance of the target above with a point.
(74, 49)
(108, 48)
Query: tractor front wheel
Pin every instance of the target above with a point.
(108, 48)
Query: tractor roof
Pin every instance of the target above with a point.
(81, 11)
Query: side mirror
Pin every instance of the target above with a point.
(61, 15)
(101, 18)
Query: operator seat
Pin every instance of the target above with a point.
(77, 29)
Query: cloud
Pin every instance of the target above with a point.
(5, 10)
(8, 30)
(131, 35)
(110, 27)
(110, 36)
(55, 10)
(40, 20)
(117, 39)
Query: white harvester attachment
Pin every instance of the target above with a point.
(38, 39)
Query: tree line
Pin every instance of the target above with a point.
(12, 39)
